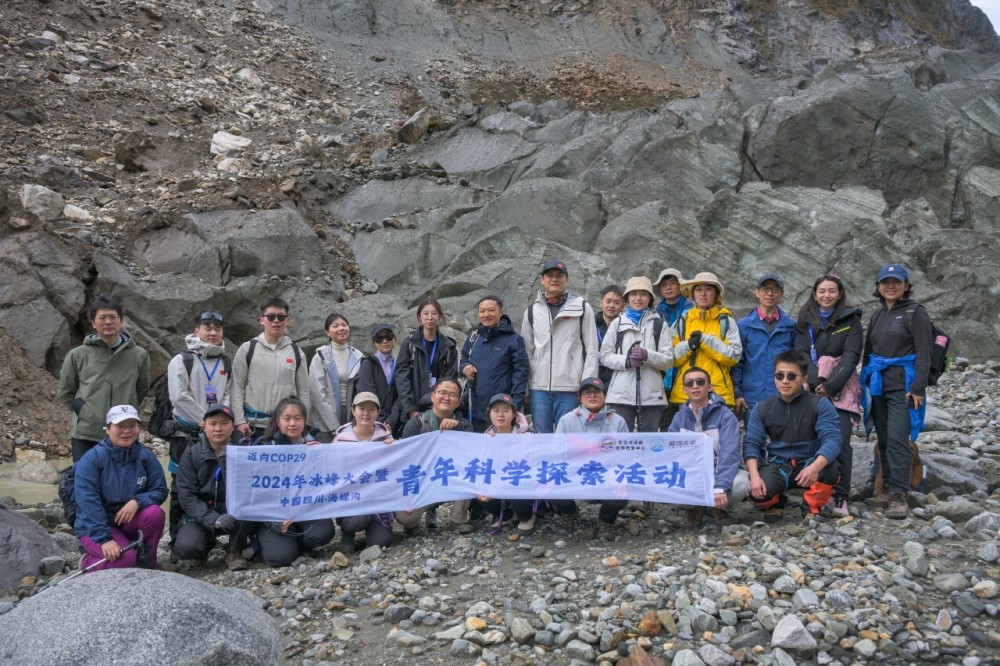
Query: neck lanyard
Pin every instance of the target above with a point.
(431, 354)
(204, 367)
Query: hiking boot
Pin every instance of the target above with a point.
(838, 506)
(879, 501)
(347, 544)
(461, 528)
(898, 508)
(774, 514)
(694, 516)
(235, 562)
(431, 519)
(719, 516)
(526, 527)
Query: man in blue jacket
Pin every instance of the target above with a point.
(706, 412)
(118, 489)
(792, 441)
(673, 306)
(766, 332)
(493, 361)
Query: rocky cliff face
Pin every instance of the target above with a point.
(200, 152)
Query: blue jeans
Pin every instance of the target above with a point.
(547, 407)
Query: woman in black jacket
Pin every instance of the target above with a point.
(425, 357)
(830, 332)
(377, 375)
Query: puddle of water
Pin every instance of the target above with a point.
(40, 493)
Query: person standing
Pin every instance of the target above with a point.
(493, 360)
(108, 369)
(897, 359)
(561, 345)
(672, 307)
(611, 305)
(707, 337)
(638, 348)
(333, 376)
(765, 332)
(426, 356)
(830, 333)
(266, 370)
(377, 376)
(198, 379)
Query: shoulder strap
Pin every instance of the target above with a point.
(250, 351)
(724, 325)
(227, 363)
(188, 357)
(680, 327)
(531, 314)
(298, 355)
(253, 347)
(657, 330)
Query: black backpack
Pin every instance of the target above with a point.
(940, 341)
(161, 421)
(66, 486)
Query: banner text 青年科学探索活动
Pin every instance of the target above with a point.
(273, 483)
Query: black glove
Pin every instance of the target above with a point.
(694, 342)
(225, 522)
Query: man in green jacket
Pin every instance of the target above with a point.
(108, 369)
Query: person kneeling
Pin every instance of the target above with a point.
(118, 489)
(707, 412)
(201, 490)
(804, 434)
(593, 416)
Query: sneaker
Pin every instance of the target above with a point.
(526, 527)
(839, 507)
(235, 562)
(694, 516)
(430, 519)
(898, 508)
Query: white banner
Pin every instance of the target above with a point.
(273, 483)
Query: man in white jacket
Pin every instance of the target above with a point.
(266, 370)
(198, 379)
(560, 338)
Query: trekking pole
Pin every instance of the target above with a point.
(132, 546)
(638, 391)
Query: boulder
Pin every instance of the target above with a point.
(229, 145)
(42, 202)
(957, 509)
(23, 544)
(415, 127)
(37, 472)
(958, 472)
(486, 158)
(137, 616)
(792, 636)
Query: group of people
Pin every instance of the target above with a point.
(684, 363)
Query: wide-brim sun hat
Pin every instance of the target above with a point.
(669, 272)
(638, 284)
(704, 277)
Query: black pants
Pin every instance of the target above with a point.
(846, 457)
(892, 427)
(649, 416)
(522, 509)
(607, 514)
(80, 446)
(177, 445)
(668, 415)
(280, 550)
(194, 541)
(377, 528)
(779, 476)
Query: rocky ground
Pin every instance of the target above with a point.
(857, 589)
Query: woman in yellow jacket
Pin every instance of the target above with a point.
(708, 338)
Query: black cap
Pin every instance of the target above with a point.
(593, 382)
(381, 326)
(554, 264)
(504, 398)
(220, 409)
(771, 277)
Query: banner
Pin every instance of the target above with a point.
(273, 483)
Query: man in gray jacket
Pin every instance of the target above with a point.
(266, 370)
(198, 379)
(561, 341)
(108, 369)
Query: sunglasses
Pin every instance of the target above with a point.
(210, 315)
(385, 338)
(700, 381)
(790, 376)
(275, 317)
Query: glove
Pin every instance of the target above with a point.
(637, 356)
(225, 522)
(694, 342)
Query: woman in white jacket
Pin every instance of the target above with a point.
(333, 376)
(637, 347)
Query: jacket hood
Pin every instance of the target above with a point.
(195, 344)
(95, 339)
(120, 454)
(713, 312)
(570, 296)
(505, 327)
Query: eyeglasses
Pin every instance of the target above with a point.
(275, 317)
(210, 315)
(790, 376)
(700, 381)
(447, 394)
(770, 290)
(112, 317)
(384, 338)
(126, 426)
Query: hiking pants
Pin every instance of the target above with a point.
(650, 416)
(377, 528)
(150, 520)
(280, 550)
(891, 417)
(846, 456)
(779, 476)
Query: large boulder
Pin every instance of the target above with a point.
(137, 616)
(23, 544)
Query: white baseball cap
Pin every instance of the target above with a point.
(120, 413)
